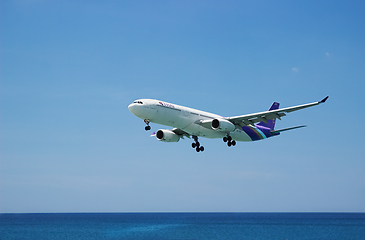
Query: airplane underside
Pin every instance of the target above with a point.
(244, 134)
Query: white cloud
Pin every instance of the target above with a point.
(327, 54)
(295, 69)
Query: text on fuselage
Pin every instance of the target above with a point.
(166, 105)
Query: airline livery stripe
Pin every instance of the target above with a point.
(261, 133)
(254, 133)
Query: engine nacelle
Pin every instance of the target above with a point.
(165, 135)
(223, 125)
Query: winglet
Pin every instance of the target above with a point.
(323, 100)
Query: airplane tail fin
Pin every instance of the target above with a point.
(270, 123)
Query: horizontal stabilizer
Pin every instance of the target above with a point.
(286, 129)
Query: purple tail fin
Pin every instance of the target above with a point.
(270, 123)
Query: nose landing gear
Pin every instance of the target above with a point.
(196, 145)
(229, 141)
(148, 127)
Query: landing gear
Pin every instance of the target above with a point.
(148, 127)
(229, 141)
(196, 145)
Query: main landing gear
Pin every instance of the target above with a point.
(196, 145)
(229, 141)
(148, 127)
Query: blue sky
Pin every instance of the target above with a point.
(69, 69)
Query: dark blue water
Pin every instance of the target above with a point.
(183, 226)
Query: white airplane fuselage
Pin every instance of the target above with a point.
(181, 117)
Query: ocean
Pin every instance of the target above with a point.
(166, 226)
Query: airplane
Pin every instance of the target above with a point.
(189, 122)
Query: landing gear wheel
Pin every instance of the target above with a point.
(147, 121)
(196, 145)
(229, 141)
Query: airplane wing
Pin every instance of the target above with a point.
(181, 133)
(251, 119)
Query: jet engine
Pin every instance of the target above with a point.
(223, 125)
(165, 135)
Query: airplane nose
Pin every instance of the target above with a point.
(135, 109)
(131, 107)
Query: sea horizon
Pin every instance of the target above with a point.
(67, 212)
(183, 225)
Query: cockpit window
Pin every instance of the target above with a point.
(139, 102)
